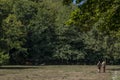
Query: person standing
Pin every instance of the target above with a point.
(99, 66)
(104, 66)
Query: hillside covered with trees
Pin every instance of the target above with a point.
(59, 31)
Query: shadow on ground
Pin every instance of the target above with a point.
(18, 67)
(114, 69)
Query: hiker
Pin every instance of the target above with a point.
(104, 66)
(99, 66)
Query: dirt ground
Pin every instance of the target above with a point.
(56, 72)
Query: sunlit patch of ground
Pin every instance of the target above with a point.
(62, 72)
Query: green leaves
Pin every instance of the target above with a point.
(66, 2)
(4, 58)
(47, 30)
(13, 32)
(104, 14)
(25, 10)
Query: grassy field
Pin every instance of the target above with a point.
(58, 72)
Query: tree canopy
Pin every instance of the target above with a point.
(59, 31)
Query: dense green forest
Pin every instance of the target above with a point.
(59, 32)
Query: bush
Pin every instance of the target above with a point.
(3, 58)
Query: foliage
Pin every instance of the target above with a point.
(57, 32)
(41, 35)
(4, 58)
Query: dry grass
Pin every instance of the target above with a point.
(62, 72)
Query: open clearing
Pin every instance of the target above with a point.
(58, 72)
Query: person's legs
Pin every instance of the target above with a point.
(99, 70)
(103, 69)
